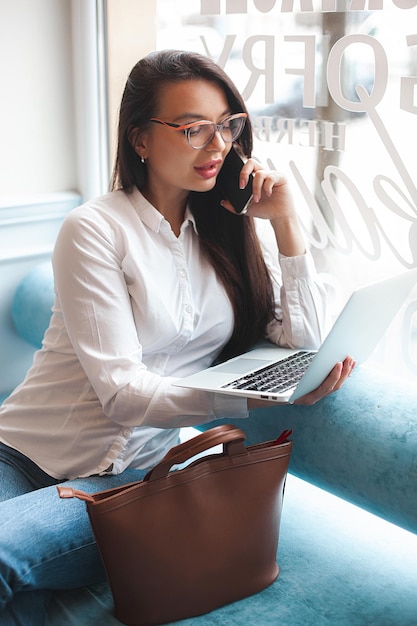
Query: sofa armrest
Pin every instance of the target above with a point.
(359, 443)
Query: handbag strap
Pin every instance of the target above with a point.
(230, 436)
(70, 492)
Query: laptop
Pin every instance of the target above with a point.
(284, 375)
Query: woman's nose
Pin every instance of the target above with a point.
(217, 143)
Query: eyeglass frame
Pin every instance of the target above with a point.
(190, 125)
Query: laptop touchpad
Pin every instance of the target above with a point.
(241, 366)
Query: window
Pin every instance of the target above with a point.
(333, 99)
(37, 152)
(53, 121)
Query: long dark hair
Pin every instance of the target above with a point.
(230, 241)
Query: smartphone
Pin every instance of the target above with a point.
(228, 183)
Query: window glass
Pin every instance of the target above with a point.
(331, 90)
(37, 150)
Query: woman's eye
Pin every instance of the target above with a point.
(195, 130)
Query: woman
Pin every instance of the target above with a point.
(155, 280)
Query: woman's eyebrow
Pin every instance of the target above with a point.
(185, 117)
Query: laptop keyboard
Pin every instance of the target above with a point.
(278, 377)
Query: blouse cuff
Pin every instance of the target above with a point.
(301, 266)
(225, 405)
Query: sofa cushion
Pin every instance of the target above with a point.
(32, 302)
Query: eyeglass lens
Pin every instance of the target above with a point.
(200, 135)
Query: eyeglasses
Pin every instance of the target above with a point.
(200, 134)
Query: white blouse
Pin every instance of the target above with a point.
(136, 308)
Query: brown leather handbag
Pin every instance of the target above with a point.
(182, 543)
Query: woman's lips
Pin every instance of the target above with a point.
(208, 170)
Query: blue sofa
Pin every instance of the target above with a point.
(348, 540)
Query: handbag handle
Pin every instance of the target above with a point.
(230, 436)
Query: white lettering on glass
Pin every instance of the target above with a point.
(333, 71)
(408, 97)
(233, 7)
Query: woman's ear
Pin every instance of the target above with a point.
(138, 141)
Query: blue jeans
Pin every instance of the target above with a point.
(45, 543)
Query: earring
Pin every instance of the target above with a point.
(142, 160)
